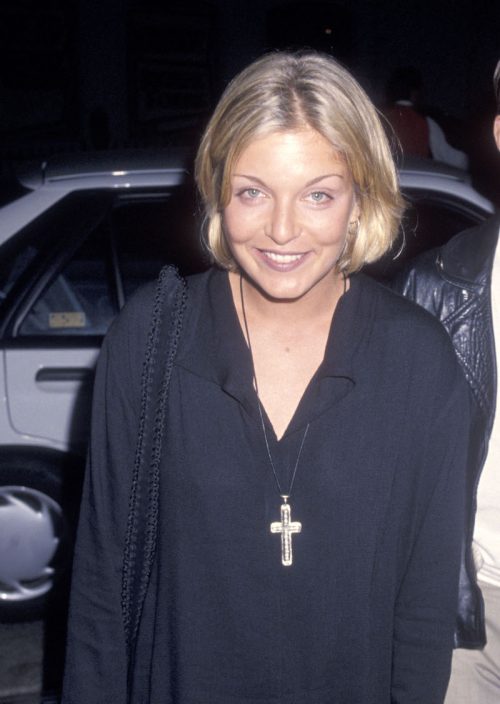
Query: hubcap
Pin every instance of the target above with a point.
(30, 529)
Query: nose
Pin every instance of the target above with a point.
(283, 226)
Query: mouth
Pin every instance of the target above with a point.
(281, 261)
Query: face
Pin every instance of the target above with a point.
(292, 198)
(496, 131)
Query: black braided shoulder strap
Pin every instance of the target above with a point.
(140, 543)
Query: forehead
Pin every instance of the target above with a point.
(303, 148)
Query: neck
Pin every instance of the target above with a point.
(314, 306)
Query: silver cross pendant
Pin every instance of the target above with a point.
(286, 527)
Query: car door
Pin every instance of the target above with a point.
(55, 335)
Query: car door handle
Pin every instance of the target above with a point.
(48, 374)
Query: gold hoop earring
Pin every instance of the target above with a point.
(352, 233)
(353, 228)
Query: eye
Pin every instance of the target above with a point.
(319, 197)
(250, 193)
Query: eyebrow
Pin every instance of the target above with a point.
(309, 183)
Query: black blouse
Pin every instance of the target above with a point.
(365, 613)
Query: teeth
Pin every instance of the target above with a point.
(283, 258)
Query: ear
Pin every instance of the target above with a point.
(496, 131)
(356, 210)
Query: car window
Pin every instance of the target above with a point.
(137, 234)
(80, 300)
(30, 258)
(430, 220)
(13, 267)
(149, 232)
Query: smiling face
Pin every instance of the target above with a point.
(292, 199)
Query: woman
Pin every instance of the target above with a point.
(273, 500)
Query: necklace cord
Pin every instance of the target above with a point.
(284, 495)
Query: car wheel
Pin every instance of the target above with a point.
(37, 523)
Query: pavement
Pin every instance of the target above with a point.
(21, 662)
(31, 656)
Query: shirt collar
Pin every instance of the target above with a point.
(213, 347)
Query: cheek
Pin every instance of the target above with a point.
(328, 230)
(239, 225)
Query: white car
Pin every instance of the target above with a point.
(86, 233)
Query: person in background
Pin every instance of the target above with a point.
(460, 284)
(273, 501)
(418, 134)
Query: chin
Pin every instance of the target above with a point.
(282, 291)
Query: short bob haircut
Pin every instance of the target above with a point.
(285, 91)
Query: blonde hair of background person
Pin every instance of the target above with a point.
(281, 92)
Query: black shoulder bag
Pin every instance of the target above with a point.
(142, 524)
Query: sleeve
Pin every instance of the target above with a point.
(426, 605)
(95, 668)
(420, 281)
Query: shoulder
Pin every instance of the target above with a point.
(134, 316)
(413, 344)
(392, 307)
(465, 257)
(124, 346)
(152, 304)
(134, 320)
(409, 329)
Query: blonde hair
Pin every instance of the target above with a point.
(285, 91)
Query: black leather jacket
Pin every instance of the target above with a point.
(453, 282)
